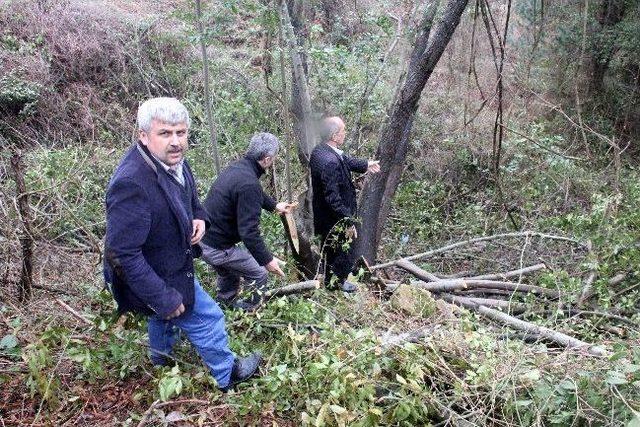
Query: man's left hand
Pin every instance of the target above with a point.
(373, 166)
(198, 231)
(285, 208)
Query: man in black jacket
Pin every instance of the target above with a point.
(235, 202)
(334, 202)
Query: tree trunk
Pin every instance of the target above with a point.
(26, 238)
(207, 91)
(394, 141)
(610, 13)
(306, 257)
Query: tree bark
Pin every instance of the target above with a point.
(26, 238)
(393, 146)
(207, 91)
(610, 13)
(306, 258)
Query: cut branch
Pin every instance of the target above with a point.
(417, 271)
(513, 273)
(492, 303)
(457, 284)
(526, 234)
(73, 312)
(531, 328)
(293, 288)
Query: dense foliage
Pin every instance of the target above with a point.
(71, 76)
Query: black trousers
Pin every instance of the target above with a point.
(339, 257)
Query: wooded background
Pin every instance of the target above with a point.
(513, 120)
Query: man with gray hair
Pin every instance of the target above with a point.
(235, 202)
(154, 222)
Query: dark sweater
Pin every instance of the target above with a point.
(234, 202)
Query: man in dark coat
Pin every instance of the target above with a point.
(154, 221)
(334, 202)
(235, 202)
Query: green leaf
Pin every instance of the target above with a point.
(532, 375)
(635, 422)
(8, 342)
(615, 378)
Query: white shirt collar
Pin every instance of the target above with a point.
(176, 170)
(337, 150)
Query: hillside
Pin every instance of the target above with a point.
(516, 135)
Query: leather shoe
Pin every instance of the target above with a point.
(245, 306)
(243, 369)
(348, 287)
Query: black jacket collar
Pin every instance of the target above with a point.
(257, 168)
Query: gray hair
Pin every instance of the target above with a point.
(328, 128)
(263, 144)
(166, 110)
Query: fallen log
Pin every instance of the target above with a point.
(417, 271)
(293, 288)
(513, 273)
(478, 240)
(486, 291)
(530, 328)
(587, 288)
(456, 284)
(458, 275)
(573, 312)
(509, 306)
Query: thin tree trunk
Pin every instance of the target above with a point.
(305, 257)
(286, 119)
(207, 90)
(394, 141)
(26, 238)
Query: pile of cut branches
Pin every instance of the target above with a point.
(498, 296)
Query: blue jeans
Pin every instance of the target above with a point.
(204, 327)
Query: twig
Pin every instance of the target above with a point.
(73, 312)
(55, 291)
(147, 413)
(513, 273)
(431, 252)
(539, 144)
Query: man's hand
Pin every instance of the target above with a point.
(373, 166)
(198, 231)
(274, 267)
(176, 313)
(285, 208)
(352, 232)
